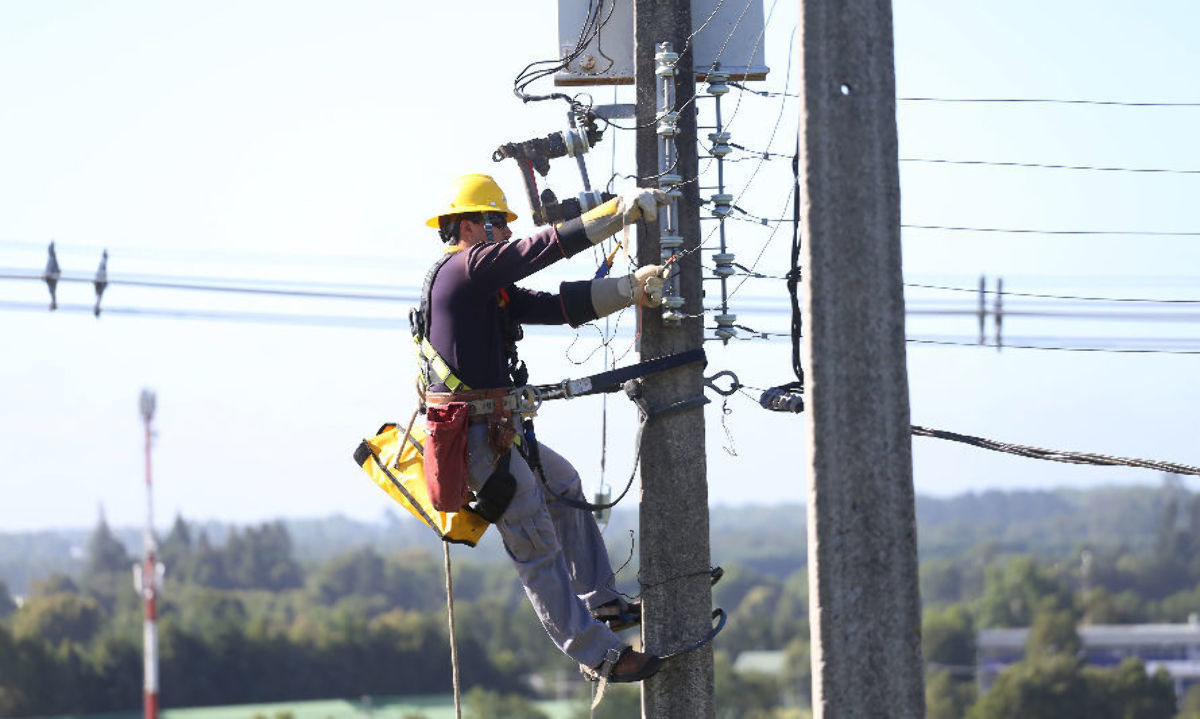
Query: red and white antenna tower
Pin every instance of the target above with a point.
(147, 577)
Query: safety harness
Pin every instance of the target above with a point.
(433, 368)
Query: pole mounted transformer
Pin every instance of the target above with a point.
(147, 576)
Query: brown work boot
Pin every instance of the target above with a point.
(634, 666)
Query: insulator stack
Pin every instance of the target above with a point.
(670, 241)
(722, 204)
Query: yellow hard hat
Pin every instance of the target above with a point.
(474, 193)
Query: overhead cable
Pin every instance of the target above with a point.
(1056, 455)
(1002, 100)
(183, 285)
(274, 318)
(1006, 345)
(1010, 293)
(1047, 166)
(1046, 101)
(1026, 231)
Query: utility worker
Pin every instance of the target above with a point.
(471, 315)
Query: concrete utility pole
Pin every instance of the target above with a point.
(864, 604)
(675, 559)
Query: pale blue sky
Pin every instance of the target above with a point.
(308, 141)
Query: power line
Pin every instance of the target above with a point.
(1012, 230)
(391, 323)
(277, 318)
(1007, 345)
(1047, 166)
(1046, 101)
(181, 285)
(1010, 293)
(1056, 455)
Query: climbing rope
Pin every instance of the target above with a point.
(453, 642)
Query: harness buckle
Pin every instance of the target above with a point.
(529, 401)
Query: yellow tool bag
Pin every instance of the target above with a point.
(395, 462)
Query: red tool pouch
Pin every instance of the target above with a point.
(446, 456)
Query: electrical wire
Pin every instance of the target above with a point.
(1007, 345)
(177, 284)
(273, 318)
(1046, 101)
(1011, 293)
(1047, 166)
(1025, 231)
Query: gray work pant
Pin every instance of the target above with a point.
(558, 551)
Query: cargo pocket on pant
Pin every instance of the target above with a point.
(525, 541)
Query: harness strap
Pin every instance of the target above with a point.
(432, 365)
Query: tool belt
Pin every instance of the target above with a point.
(493, 406)
(447, 415)
(484, 403)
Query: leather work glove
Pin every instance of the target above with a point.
(644, 285)
(640, 203)
(648, 285)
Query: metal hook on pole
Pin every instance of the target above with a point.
(734, 384)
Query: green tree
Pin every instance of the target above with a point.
(11, 693)
(176, 549)
(945, 697)
(360, 572)
(56, 583)
(1189, 705)
(1050, 686)
(941, 581)
(1053, 632)
(7, 604)
(948, 637)
(207, 565)
(105, 553)
(1127, 692)
(261, 558)
(59, 618)
(1014, 592)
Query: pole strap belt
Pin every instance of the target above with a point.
(612, 380)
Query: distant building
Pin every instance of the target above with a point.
(1174, 647)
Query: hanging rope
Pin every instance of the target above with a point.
(453, 642)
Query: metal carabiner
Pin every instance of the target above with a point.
(734, 384)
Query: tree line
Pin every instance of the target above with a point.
(244, 622)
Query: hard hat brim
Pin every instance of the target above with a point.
(509, 215)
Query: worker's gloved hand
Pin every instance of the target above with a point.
(648, 285)
(641, 203)
(644, 286)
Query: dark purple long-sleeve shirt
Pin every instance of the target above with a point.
(464, 311)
